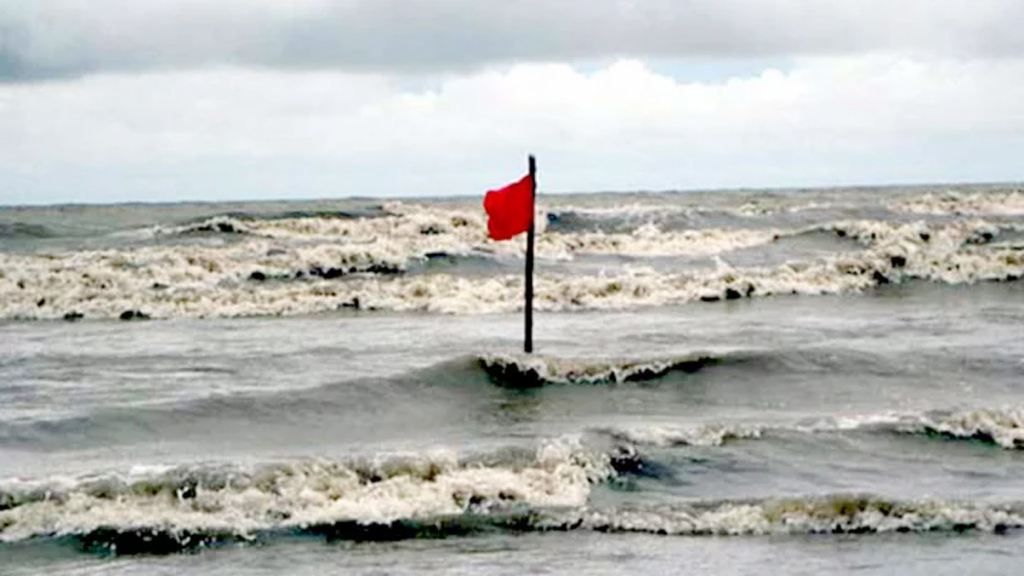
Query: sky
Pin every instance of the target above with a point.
(122, 100)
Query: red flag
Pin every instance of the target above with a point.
(510, 209)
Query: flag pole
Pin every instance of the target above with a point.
(528, 308)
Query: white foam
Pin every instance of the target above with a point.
(953, 203)
(848, 422)
(308, 493)
(1003, 426)
(720, 433)
(555, 370)
(628, 211)
(554, 483)
(648, 240)
(755, 208)
(812, 515)
(191, 281)
(215, 224)
(411, 230)
(702, 435)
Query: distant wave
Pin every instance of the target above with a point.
(213, 225)
(674, 213)
(619, 218)
(259, 222)
(367, 211)
(957, 203)
(16, 230)
(425, 258)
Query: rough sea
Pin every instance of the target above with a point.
(746, 382)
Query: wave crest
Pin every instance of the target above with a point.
(668, 436)
(838, 514)
(954, 203)
(528, 371)
(827, 514)
(261, 276)
(1002, 427)
(184, 502)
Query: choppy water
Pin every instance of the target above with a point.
(820, 382)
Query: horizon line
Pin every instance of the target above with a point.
(696, 190)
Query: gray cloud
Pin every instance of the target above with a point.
(57, 38)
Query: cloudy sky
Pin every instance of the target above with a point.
(164, 100)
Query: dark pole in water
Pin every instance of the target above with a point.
(528, 342)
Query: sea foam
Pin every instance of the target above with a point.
(317, 264)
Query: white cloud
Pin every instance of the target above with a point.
(246, 133)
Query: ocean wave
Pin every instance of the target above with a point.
(669, 436)
(835, 514)
(811, 515)
(958, 203)
(181, 510)
(18, 230)
(529, 371)
(679, 211)
(1002, 427)
(262, 277)
(649, 240)
(252, 222)
(395, 220)
(465, 375)
(619, 217)
(212, 225)
(160, 509)
(755, 208)
(422, 229)
(468, 375)
(231, 501)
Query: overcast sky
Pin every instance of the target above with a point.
(115, 100)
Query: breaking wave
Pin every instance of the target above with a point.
(294, 266)
(193, 505)
(668, 436)
(837, 514)
(212, 502)
(441, 493)
(1002, 427)
(529, 371)
(213, 225)
(956, 203)
(438, 495)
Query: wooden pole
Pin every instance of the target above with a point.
(528, 309)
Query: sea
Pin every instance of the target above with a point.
(757, 382)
